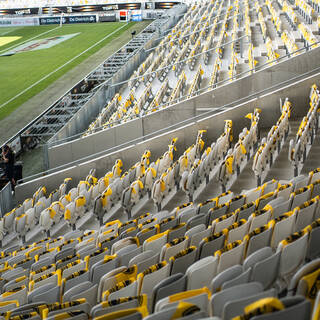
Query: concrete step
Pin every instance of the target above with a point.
(313, 160)
(282, 169)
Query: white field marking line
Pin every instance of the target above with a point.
(54, 71)
(4, 33)
(18, 44)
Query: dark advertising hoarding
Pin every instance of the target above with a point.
(68, 20)
(108, 17)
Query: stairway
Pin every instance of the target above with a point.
(313, 160)
(282, 169)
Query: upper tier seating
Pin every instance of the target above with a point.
(212, 43)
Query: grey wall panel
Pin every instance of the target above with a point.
(129, 130)
(169, 116)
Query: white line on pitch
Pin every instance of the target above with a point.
(4, 33)
(54, 71)
(39, 35)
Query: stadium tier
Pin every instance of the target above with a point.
(213, 44)
(222, 225)
(94, 252)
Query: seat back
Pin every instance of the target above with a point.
(173, 247)
(201, 272)
(156, 242)
(144, 260)
(313, 250)
(182, 260)
(284, 226)
(220, 299)
(259, 238)
(102, 267)
(150, 277)
(230, 255)
(198, 297)
(209, 245)
(168, 286)
(235, 307)
(287, 308)
(293, 251)
(305, 213)
(226, 275)
(107, 307)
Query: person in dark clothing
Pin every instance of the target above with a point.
(8, 158)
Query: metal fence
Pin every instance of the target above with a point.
(6, 199)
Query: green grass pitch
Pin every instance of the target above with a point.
(22, 70)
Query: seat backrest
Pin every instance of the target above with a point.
(284, 226)
(198, 297)
(257, 256)
(238, 230)
(79, 305)
(146, 233)
(244, 277)
(186, 213)
(156, 242)
(19, 295)
(110, 279)
(183, 259)
(194, 230)
(196, 239)
(220, 299)
(168, 286)
(293, 252)
(197, 220)
(217, 212)
(236, 202)
(259, 238)
(125, 256)
(108, 307)
(305, 213)
(299, 182)
(177, 232)
(223, 222)
(279, 206)
(48, 293)
(300, 196)
(173, 247)
(305, 270)
(260, 218)
(235, 307)
(266, 270)
(83, 290)
(211, 244)
(294, 308)
(123, 243)
(144, 260)
(102, 267)
(201, 272)
(151, 276)
(314, 238)
(245, 211)
(226, 275)
(230, 255)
